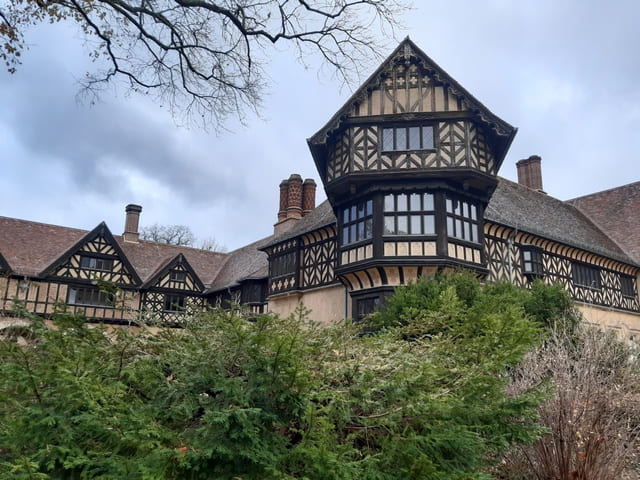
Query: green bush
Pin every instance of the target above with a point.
(550, 306)
(275, 398)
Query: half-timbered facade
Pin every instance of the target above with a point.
(410, 168)
(115, 279)
(409, 165)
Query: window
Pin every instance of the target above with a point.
(409, 214)
(532, 261)
(357, 222)
(415, 137)
(366, 306)
(283, 264)
(627, 286)
(96, 263)
(586, 276)
(462, 220)
(177, 276)
(88, 296)
(174, 303)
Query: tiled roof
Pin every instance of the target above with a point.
(617, 212)
(245, 263)
(146, 257)
(535, 212)
(519, 207)
(30, 247)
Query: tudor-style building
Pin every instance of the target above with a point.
(117, 279)
(409, 165)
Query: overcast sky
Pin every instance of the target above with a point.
(564, 72)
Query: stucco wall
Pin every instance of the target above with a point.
(625, 323)
(326, 304)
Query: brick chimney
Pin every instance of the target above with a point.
(297, 199)
(131, 223)
(284, 200)
(530, 172)
(294, 197)
(308, 196)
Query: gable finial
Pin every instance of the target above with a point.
(407, 52)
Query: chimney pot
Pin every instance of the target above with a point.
(132, 219)
(308, 196)
(530, 172)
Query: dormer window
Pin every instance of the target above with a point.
(96, 263)
(416, 137)
(177, 276)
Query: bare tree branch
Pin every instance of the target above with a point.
(206, 58)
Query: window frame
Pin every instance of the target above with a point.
(284, 264)
(372, 302)
(97, 297)
(454, 219)
(350, 226)
(179, 276)
(536, 261)
(627, 286)
(86, 262)
(394, 129)
(171, 305)
(396, 212)
(586, 276)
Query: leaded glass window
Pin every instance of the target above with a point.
(462, 220)
(415, 137)
(357, 222)
(410, 213)
(627, 285)
(532, 261)
(89, 296)
(96, 263)
(586, 276)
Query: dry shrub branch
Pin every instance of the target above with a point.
(593, 417)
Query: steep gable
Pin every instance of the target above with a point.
(409, 84)
(97, 255)
(176, 274)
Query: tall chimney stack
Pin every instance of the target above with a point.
(530, 172)
(131, 223)
(308, 196)
(296, 200)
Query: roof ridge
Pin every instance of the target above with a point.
(22, 220)
(604, 191)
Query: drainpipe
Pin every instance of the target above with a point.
(346, 299)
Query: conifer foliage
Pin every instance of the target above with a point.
(271, 398)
